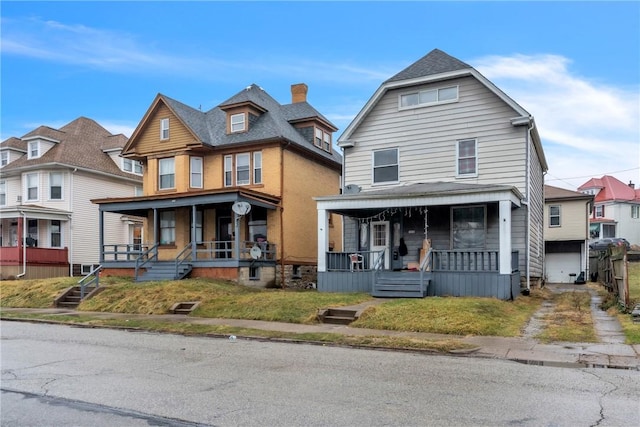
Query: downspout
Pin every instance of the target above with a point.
(24, 246)
(281, 208)
(528, 192)
(100, 249)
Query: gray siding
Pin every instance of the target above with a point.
(536, 205)
(427, 136)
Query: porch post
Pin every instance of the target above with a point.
(323, 239)
(236, 232)
(505, 237)
(193, 231)
(156, 226)
(101, 235)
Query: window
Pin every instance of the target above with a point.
(228, 171)
(635, 211)
(137, 191)
(86, 269)
(166, 173)
(318, 139)
(132, 166)
(55, 186)
(257, 167)
(600, 211)
(34, 150)
(327, 142)
(467, 159)
(4, 158)
(196, 172)
(608, 230)
(164, 129)
(32, 186)
(238, 123)
(322, 139)
(554, 216)
(429, 97)
(167, 227)
(56, 234)
(242, 169)
(385, 166)
(468, 227)
(3, 192)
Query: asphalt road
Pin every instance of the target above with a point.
(69, 376)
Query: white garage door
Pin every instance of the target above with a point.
(559, 266)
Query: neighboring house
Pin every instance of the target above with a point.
(48, 176)
(438, 158)
(566, 234)
(616, 211)
(228, 193)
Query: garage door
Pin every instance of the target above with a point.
(560, 265)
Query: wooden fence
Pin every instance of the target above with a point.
(611, 268)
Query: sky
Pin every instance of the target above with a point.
(575, 66)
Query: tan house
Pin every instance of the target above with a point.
(47, 180)
(228, 193)
(566, 234)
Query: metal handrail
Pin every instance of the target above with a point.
(145, 258)
(378, 265)
(182, 257)
(96, 279)
(424, 265)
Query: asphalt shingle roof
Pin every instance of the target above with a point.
(435, 62)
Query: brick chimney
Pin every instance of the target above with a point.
(299, 93)
(632, 185)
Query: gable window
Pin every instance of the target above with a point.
(228, 171)
(167, 227)
(3, 192)
(166, 173)
(34, 150)
(238, 123)
(132, 166)
(164, 129)
(554, 216)
(32, 186)
(467, 157)
(257, 167)
(196, 172)
(55, 186)
(385, 166)
(635, 211)
(429, 97)
(4, 158)
(600, 211)
(468, 227)
(55, 233)
(243, 176)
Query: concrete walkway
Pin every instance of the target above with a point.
(611, 352)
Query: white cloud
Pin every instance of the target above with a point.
(588, 128)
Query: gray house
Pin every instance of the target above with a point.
(443, 190)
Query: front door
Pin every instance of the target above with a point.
(379, 241)
(224, 237)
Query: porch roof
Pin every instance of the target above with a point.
(34, 212)
(420, 194)
(138, 206)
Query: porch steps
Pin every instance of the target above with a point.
(159, 271)
(71, 297)
(400, 284)
(337, 316)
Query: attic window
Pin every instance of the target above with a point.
(164, 129)
(322, 140)
(34, 150)
(429, 97)
(237, 123)
(4, 158)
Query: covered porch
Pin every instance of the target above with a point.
(201, 234)
(426, 240)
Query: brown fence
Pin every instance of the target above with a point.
(611, 268)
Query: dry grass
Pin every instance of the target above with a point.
(571, 319)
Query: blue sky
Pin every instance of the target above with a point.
(575, 66)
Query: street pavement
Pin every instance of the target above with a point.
(609, 352)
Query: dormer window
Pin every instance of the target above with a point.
(322, 140)
(132, 166)
(164, 129)
(238, 123)
(4, 158)
(34, 150)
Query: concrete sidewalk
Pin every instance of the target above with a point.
(610, 352)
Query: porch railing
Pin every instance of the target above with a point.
(341, 261)
(425, 265)
(150, 255)
(92, 278)
(14, 254)
(378, 265)
(226, 249)
(186, 254)
(123, 252)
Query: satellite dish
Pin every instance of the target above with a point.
(241, 208)
(255, 252)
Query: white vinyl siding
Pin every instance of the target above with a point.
(427, 139)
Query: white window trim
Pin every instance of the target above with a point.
(61, 186)
(257, 160)
(160, 187)
(601, 214)
(373, 166)
(192, 172)
(466, 175)
(134, 164)
(26, 186)
(248, 182)
(233, 123)
(559, 215)
(51, 233)
(635, 211)
(428, 104)
(3, 191)
(164, 129)
(30, 149)
(228, 169)
(4, 158)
